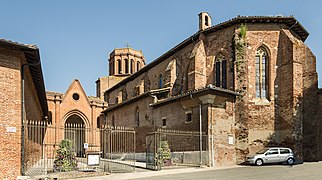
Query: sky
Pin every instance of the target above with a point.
(75, 37)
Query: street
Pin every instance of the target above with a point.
(305, 171)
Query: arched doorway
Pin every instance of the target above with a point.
(75, 131)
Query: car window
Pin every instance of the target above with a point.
(284, 151)
(262, 151)
(272, 151)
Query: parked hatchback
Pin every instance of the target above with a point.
(272, 155)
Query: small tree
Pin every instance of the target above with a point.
(163, 153)
(65, 159)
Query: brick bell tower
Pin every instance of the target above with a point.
(122, 62)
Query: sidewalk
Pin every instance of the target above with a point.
(135, 175)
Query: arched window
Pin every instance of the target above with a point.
(137, 117)
(221, 71)
(261, 72)
(119, 64)
(126, 61)
(138, 64)
(206, 20)
(160, 81)
(132, 66)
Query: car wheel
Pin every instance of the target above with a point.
(259, 162)
(290, 161)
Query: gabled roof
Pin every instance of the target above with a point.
(290, 21)
(31, 53)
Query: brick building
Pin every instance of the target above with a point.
(14, 57)
(251, 80)
(75, 108)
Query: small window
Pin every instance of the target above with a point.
(116, 100)
(132, 66)
(206, 20)
(164, 122)
(138, 64)
(189, 117)
(160, 81)
(113, 121)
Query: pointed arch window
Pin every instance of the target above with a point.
(261, 72)
(221, 71)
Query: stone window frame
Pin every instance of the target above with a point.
(220, 68)
(132, 70)
(262, 97)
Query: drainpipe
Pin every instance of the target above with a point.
(200, 135)
(22, 75)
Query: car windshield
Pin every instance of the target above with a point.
(262, 151)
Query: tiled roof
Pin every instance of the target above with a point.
(32, 56)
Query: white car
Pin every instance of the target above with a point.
(272, 155)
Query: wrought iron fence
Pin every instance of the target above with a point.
(172, 147)
(107, 145)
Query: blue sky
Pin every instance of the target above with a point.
(76, 36)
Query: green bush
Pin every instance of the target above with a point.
(65, 159)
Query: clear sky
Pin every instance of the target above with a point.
(76, 36)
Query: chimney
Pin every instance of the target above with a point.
(204, 21)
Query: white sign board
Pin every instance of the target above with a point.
(11, 129)
(230, 140)
(85, 145)
(93, 159)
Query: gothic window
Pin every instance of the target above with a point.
(137, 117)
(220, 71)
(119, 64)
(160, 81)
(132, 66)
(138, 64)
(126, 61)
(261, 72)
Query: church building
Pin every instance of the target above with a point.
(250, 81)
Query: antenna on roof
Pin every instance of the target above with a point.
(127, 45)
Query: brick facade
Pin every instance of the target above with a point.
(286, 116)
(12, 56)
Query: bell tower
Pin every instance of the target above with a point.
(204, 21)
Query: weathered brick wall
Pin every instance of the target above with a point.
(221, 127)
(10, 115)
(10, 111)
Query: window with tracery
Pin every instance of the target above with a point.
(261, 72)
(221, 71)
